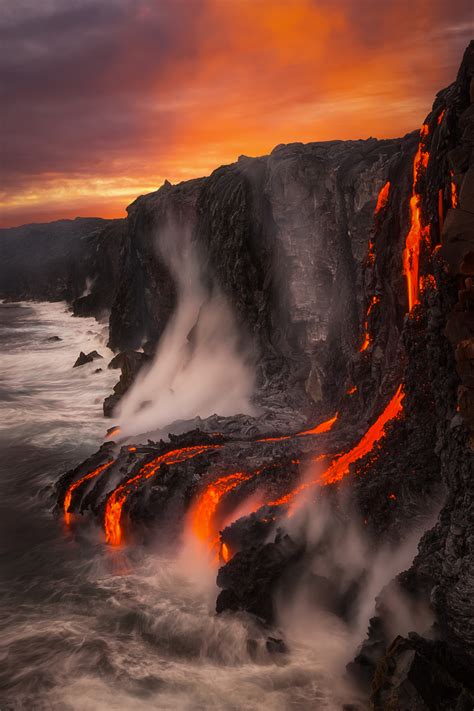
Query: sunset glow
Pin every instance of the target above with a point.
(104, 101)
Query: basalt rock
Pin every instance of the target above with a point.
(48, 262)
(84, 358)
(130, 363)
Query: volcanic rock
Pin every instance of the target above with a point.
(130, 363)
(82, 358)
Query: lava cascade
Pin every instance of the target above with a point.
(454, 192)
(116, 500)
(367, 338)
(411, 253)
(382, 199)
(76, 484)
(204, 511)
(339, 467)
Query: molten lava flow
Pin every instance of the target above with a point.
(411, 253)
(351, 390)
(367, 338)
(319, 429)
(116, 500)
(340, 464)
(382, 198)
(75, 485)
(441, 116)
(340, 467)
(454, 192)
(428, 282)
(132, 449)
(203, 515)
(226, 555)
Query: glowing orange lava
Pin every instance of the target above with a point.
(351, 390)
(454, 192)
(75, 485)
(382, 198)
(203, 514)
(340, 464)
(116, 500)
(367, 338)
(441, 116)
(428, 282)
(411, 253)
(322, 427)
(318, 429)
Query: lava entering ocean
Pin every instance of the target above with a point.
(116, 500)
(203, 514)
(75, 485)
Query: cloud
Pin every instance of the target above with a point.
(97, 94)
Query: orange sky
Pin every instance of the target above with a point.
(107, 98)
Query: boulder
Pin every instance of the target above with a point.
(84, 358)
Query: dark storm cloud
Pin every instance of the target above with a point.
(77, 79)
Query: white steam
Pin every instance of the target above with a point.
(330, 606)
(200, 367)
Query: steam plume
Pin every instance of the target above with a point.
(200, 367)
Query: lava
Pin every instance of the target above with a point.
(203, 515)
(116, 500)
(339, 467)
(454, 192)
(441, 116)
(321, 428)
(382, 198)
(367, 338)
(318, 429)
(351, 390)
(76, 484)
(411, 253)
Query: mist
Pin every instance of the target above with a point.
(203, 364)
(330, 603)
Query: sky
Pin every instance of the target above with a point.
(102, 100)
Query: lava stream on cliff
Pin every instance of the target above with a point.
(340, 465)
(367, 338)
(116, 500)
(454, 192)
(325, 426)
(416, 233)
(382, 199)
(76, 484)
